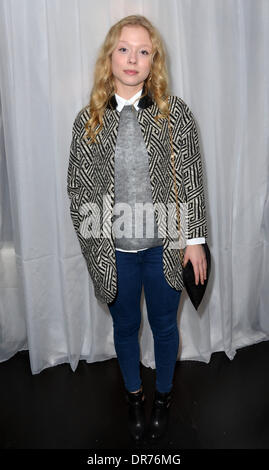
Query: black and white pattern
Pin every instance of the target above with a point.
(90, 178)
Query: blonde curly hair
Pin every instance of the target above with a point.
(156, 84)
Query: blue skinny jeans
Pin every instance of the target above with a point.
(134, 270)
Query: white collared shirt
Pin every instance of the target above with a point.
(122, 101)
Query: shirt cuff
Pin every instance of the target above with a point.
(195, 241)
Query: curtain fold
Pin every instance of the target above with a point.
(218, 63)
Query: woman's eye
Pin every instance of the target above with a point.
(144, 52)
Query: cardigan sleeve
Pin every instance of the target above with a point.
(73, 181)
(196, 224)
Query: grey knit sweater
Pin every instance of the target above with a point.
(134, 221)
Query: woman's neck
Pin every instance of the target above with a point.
(128, 92)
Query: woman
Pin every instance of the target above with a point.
(119, 162)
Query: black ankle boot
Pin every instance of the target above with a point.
(136, 414)
(159, 414)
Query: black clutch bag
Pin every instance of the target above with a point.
(195, 292)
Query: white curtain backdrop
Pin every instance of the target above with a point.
(218, 62)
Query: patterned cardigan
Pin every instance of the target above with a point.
(90, 187)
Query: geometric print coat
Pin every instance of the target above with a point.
(90, 188)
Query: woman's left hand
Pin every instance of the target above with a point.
(196, 254)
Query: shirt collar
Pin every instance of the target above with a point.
(145, 102)
(121, 102)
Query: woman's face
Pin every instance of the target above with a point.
(132, 53)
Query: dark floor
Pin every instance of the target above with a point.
(220, 405)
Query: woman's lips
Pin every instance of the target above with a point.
(130, 72)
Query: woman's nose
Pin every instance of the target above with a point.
(132, 57)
